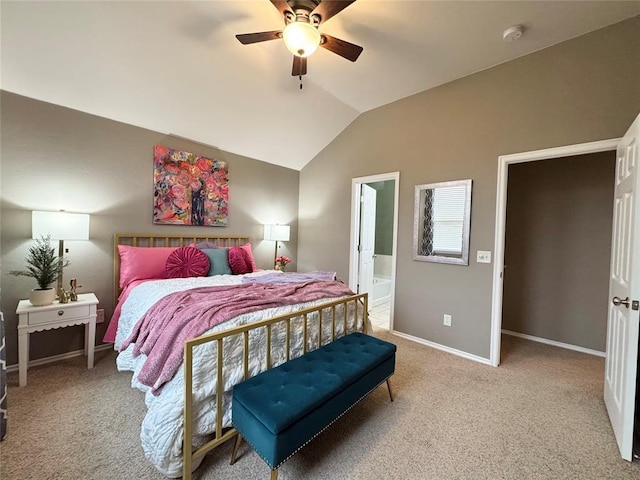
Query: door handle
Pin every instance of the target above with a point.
(617, 301)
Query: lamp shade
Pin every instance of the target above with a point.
(301, 38)
(60, 225)
(278, 233)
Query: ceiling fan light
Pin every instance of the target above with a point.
(301, 38)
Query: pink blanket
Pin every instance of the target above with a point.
(161, 332)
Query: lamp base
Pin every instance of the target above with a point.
(59, 289)
(275, 254)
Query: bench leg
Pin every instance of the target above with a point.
(235, 449)
(389, 387)
(274, 474)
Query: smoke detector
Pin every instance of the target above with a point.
(513, 33)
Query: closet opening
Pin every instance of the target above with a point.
(557, 254)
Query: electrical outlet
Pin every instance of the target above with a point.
(447, 320)
(100, 315)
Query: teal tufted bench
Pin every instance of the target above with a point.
(279, 411)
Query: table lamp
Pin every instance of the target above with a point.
(277, 233)
(60, 226)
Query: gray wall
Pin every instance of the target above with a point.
(579, 91)
(384, 216)
(558, 248)
(56, 158)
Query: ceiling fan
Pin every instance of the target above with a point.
(301, 36)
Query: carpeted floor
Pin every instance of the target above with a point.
(540, 415)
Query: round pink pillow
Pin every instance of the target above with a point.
(186, 262)
(239, 261)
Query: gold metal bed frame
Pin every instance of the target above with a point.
(222, 434)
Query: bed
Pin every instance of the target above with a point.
(300, 313)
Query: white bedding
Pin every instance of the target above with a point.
(161, 431)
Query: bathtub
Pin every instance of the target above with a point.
(381, 291)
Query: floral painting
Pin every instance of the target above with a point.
(189, 189)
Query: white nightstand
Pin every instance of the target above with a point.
(57, 315)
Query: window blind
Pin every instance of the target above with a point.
(448, 217)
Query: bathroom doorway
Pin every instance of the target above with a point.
(381, 285)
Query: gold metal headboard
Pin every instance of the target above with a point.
(143, 240)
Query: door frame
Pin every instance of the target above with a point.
(501, 215)
(356, 187)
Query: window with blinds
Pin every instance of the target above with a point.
(448, 219)
(441, 221)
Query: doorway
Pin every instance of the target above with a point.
(622, 335)
(501, 214)
(372, 259)
(558, 251)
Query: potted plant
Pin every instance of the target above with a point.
(45, 267)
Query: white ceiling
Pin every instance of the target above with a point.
(177, 68)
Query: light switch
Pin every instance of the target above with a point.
(484, 256)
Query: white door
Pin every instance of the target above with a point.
(624, 294)
(367, 240)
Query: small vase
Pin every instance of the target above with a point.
(39, 297)
(279, 268)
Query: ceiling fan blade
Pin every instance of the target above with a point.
(345, 49)
(299, 66)
(247, 38)
(282, 6)
(328, 8)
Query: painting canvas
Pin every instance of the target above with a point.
(189, 189)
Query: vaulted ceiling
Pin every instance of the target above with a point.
(177, 68)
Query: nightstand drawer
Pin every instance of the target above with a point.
(63, 313)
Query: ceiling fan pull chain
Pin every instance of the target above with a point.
(300, 77)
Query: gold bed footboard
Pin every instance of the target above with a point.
(297, 330)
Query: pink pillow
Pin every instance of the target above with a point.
(247, 248)
(187, 262)
(142, 263)
(239, 261)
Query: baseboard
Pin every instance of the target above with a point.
(568, 346)
(444, 348)
(55, 358)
